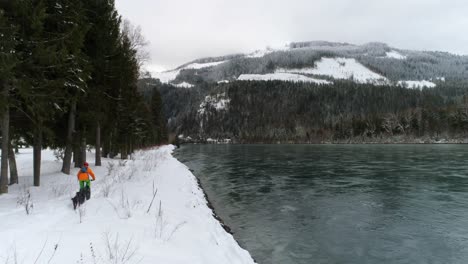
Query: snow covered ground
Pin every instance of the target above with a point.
(169, 76)
(119, 224)
(198, 66)
(218, 102)
(268, 50)
(395, 55)
(340, 68)
(417, 84)
(184, 85)
(259, 54)
(280, 76)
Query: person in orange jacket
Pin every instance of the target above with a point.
(83, 176)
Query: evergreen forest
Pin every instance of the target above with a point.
(68, 81)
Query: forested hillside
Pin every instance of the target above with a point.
(68, 80)
(288, 112)
(328, 61)
(318, 92)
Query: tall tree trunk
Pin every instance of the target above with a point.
(83, 147)
(105, 148)
(37, 148)
(77, 151)
(123, 151)
(13, 168)
(74, 155)
(77, 156)
(69, 140)
(5, 143)
(98, 144)
(113, 146)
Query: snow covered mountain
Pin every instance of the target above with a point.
(317, 92)
(324, 62)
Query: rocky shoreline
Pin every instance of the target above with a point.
(354, 140)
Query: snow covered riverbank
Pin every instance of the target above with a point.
(120, 224)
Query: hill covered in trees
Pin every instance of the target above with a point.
(288, 112)
(68, 79)
(375, 63)
(316, 92)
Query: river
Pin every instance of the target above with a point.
(307, 204)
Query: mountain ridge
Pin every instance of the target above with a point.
(314, 43)
(398, 66)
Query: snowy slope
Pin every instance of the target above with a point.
(340, 68)
(258, 54)
(280, 76)
(218, 102)
(417, 84)
(184, 85)
(395, 55)
(179, 227)
(268, 50)
(198, 66)
(169, 76)
(375, 63)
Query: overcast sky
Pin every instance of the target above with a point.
(183, 30)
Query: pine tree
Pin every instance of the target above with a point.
(8, 62)
(67, 72)
(158, 120)
(52, 68)
(32, 73)
(101, 44)
(126, 94)
(74, 72)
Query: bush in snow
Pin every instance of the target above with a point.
(117, 174)
(107, 186)
(24, 199)
(119, 252)
(60, 189)
(159, 223)
(110, 168)
(162, 229)
(11, 256)
(125, 208)
(151, 160)
(131, 172)
(124, 171)
(155, 191)
(125, 205)
(59, 154)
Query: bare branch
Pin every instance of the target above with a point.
(137, 40)
(154, 195)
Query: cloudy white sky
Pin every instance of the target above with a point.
(183, 30)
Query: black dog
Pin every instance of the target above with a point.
(79, 198)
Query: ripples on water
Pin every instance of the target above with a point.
(340, 203)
